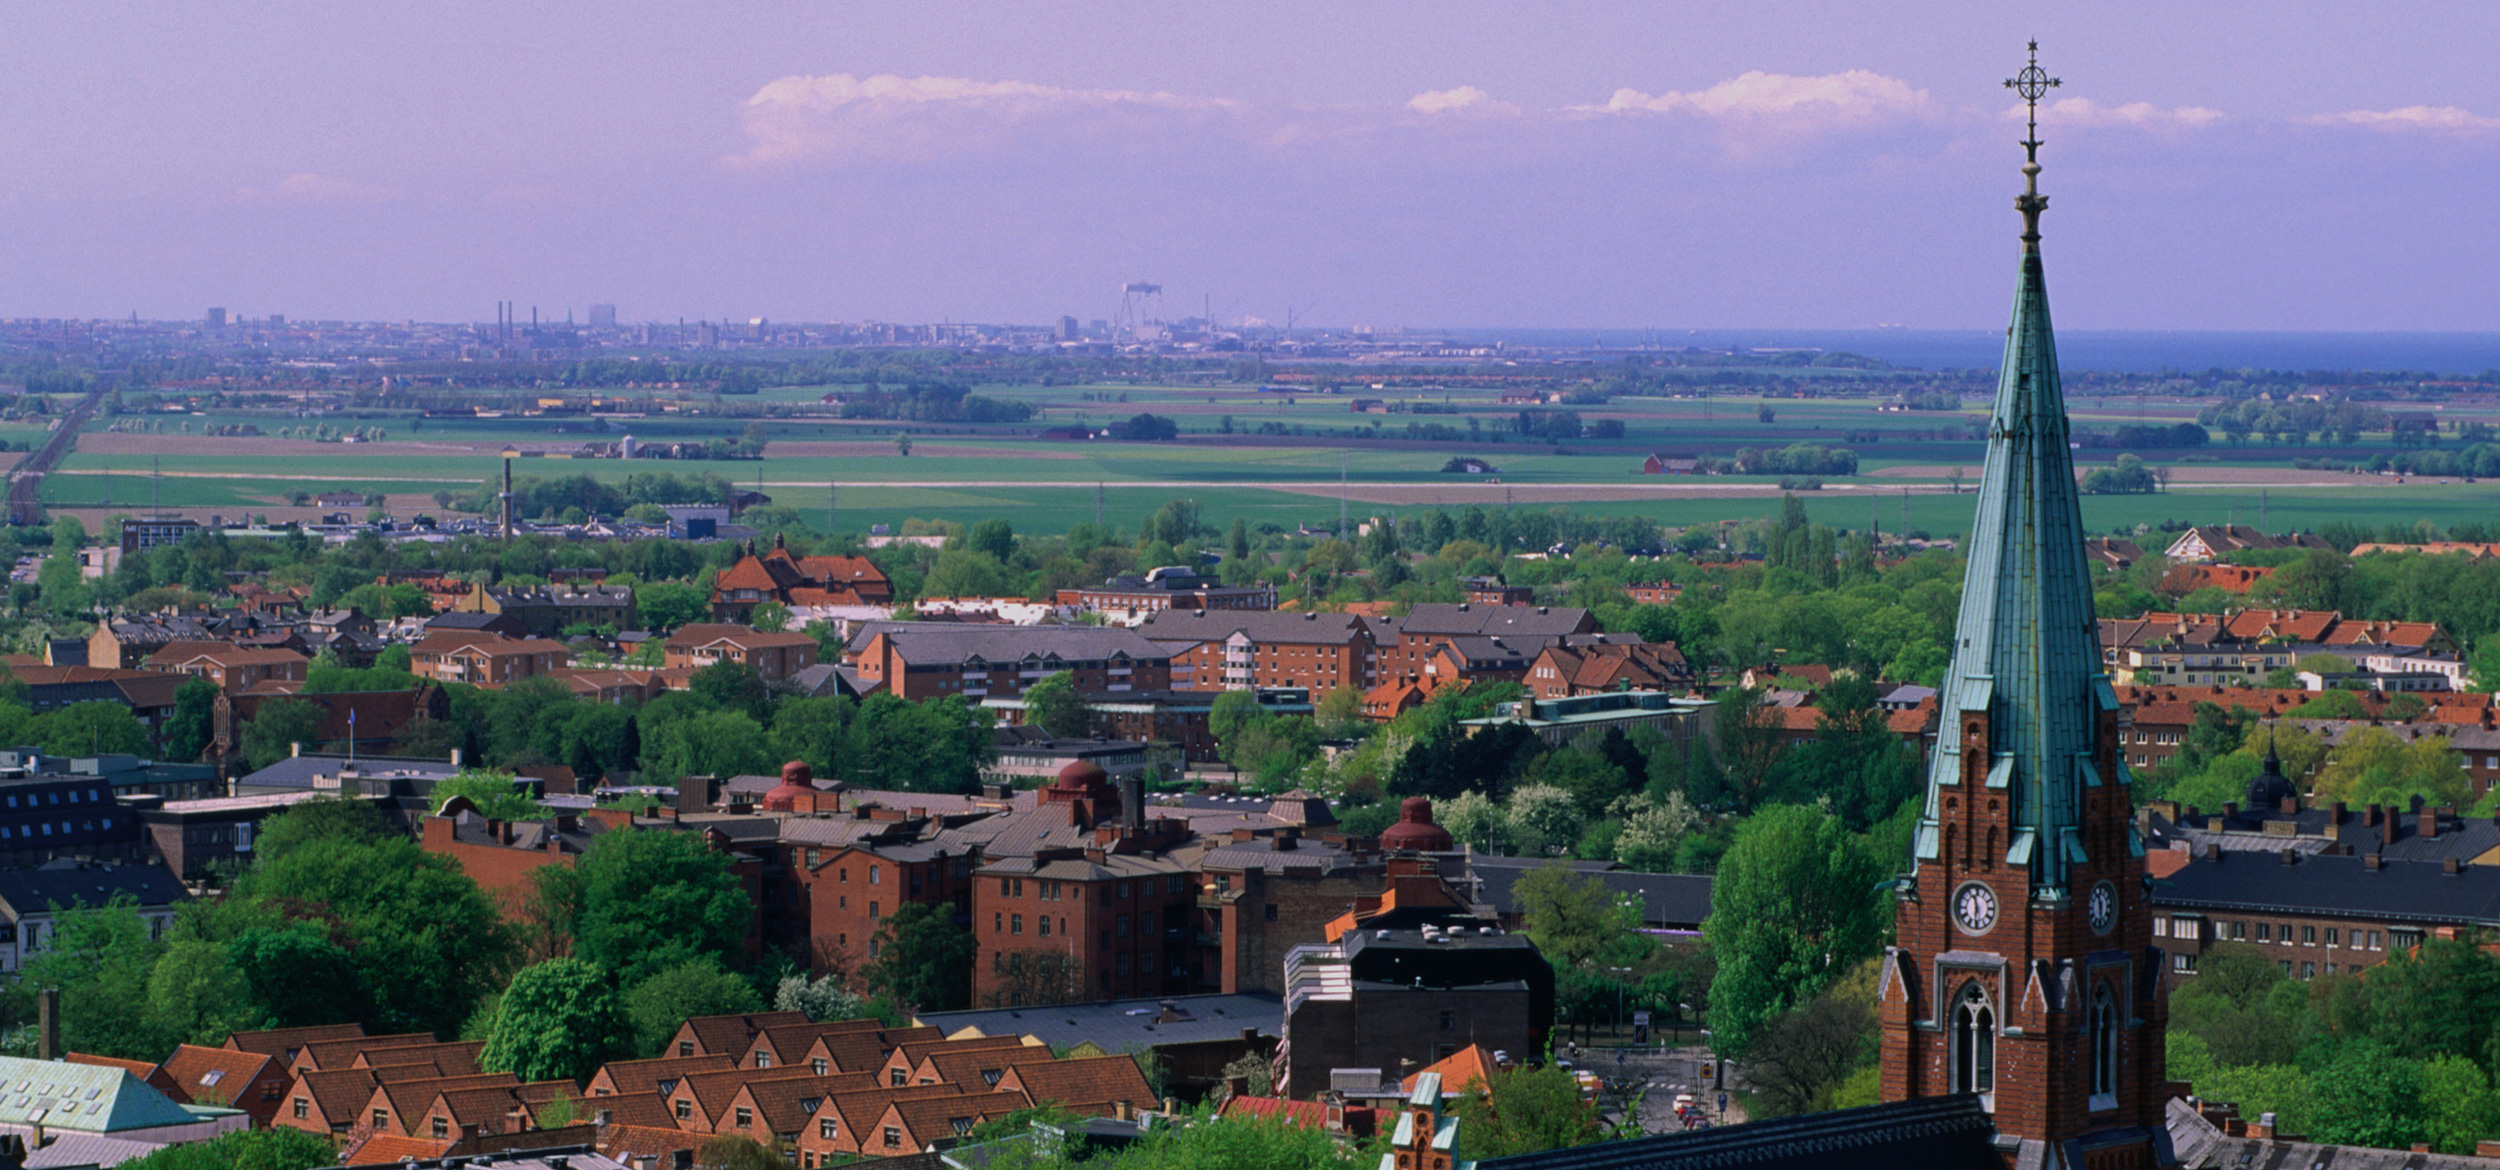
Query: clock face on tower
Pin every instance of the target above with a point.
(2101, 909)
(1975, 908)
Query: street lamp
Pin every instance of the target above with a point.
(1623, 977)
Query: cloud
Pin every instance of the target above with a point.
(1852, 96)
(2141, 115)
(804, 117)
(1464, 99)
(2438, 119)
(305, 187)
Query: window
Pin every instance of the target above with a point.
(1123, 963)
(2308, 970)
(1015, 924)
(1121, 930)
(746, 1117)
(685, 1048)
(872, 912)
(442, 1128)
(685, 1109)
(303, 1108)
(1045, 925)
(2265, 932)
(1974, 1042)
(2239, 930)
(876, 874)
(1271, 911)
(998, 922)
(820, 1066)
(2183, 963)
(1002, 887)
(2161, 927)
(828, 1129)
(2374, 940)
(1124, 891)
(381, 1119)
(2331, 936)
(893, 1137)
(2308, 936)
(1449, 1020)
(2104, 1050)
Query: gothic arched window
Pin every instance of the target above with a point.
(1974, 1042)
(2104, 1036)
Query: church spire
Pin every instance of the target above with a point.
(2026, 652)
(2032, 84)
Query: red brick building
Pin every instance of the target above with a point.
(1563, 671)
(483, 659)
(1472, 633)
(1232, 650)
(917, 660)
(772, 656)
(791, 580)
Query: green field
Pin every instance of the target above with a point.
(963, 472)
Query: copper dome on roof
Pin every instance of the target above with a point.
(1415, 829)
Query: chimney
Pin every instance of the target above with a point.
(1242, 836)
(2339, 812)
(2291, 804)
(2370, 817)
(2387, 828)
(2291, 857)
(2263, 1127)
(2370, 861)
(2230, 808)
(455, 757)
(1237, 1086)
(2426, 823)
(48, 1028)
(2449, 866)
(295, 750)
(1133, 801)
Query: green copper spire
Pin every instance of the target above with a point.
(2025, 650)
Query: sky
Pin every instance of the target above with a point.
(1629, 165)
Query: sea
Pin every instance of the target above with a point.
(2114, 351)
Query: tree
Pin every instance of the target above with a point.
(666, 605)
(295, 975)
(924, 961)
(424, 940)
(1541, 815)
(497, 795)
(1799, 1060)
(902, 443)
(197, 996)
(648, 901)
(100, 957)
(92, 729)
(770, 617)
(188, 733)
(1793, 907)
(657, 1005)
(1054, 705)
(323, 818)
(2372, 766)
(1576, 920)
(1750, 742)
(560, 1018)
(275, 1148)
(820, 999)
(1524, 1110)
(273, 733)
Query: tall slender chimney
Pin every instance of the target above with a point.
(1133, 802)
(48, 1024)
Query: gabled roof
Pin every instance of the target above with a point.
(936, 1118)
(1472, 1065)
(85, 1098)
(732, 1033)
(339, 1094)
(1085, 1080)
(137, 1068)
(211, 1076)
(387, 1149)
(1306, 1114)
(642, 1076)
(854, 1111)
(36, 891)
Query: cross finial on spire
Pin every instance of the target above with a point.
(2032, 84)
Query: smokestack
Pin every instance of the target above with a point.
(48, 1024)
(1133, 801)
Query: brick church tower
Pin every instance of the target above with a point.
(2025, 970)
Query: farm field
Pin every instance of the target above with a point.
(962, 472)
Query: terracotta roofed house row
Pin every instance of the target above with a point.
(796, 581)
(726, 1035)
(844, 1125)
(619, 1077)
(773, 656)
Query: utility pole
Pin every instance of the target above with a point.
(1098, 503)
(509, 454)
(1341, 518)
(833, 502)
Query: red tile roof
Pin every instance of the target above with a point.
(384, 1149)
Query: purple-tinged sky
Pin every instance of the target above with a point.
(2211, 165)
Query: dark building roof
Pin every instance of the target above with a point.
(1927, 1133)
(1124, 1025)
(950, 643)
(1669, 901)
(1523, 621)
(2317, 828)
(36, 891)
(2325, 884)
(1259, 625)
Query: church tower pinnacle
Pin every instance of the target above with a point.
(2024, 970)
